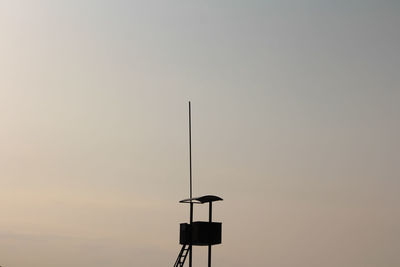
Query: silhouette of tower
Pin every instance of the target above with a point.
(199, 233)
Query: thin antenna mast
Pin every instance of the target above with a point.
(191, 196)
(190, 148)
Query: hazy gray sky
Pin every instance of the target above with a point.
(295, 124)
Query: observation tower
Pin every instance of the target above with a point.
(198, 233)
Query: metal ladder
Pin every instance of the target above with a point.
(182, 256)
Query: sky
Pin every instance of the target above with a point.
(295, 109)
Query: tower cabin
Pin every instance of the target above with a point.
(198, 233)
(201, 233)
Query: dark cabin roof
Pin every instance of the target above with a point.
(201, 200)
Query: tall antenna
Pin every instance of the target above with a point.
(190, 163)
(190, 148)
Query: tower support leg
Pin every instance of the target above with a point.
(191, 225)
(209, 256)
(209, 246)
